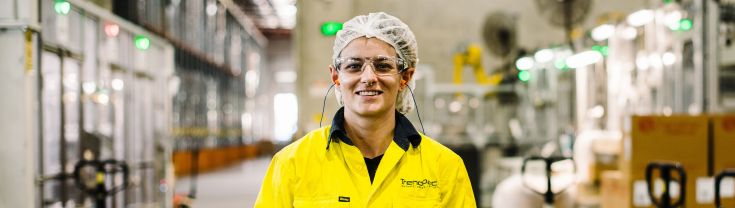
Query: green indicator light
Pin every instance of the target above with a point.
(560, 64)
(668, 1)
(62, 7)
(524, 76)
(142, 42)
(596, 47)
(331, 28)
(685, 24)
(601, 49)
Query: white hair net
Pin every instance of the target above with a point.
(389, 29)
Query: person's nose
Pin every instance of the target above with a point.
(368, 75)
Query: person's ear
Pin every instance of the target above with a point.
(406, 76)
(334, 75)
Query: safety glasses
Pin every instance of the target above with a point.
(381, 65)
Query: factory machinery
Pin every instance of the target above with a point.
(126, 99)
(650, 90)
(654, 108)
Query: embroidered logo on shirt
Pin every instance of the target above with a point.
(426, 183)
(344, 199)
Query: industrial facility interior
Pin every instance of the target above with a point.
(549, 103)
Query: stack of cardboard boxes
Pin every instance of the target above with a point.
(702, 145)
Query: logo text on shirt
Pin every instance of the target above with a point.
(426, 183)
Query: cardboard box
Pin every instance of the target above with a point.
(682, 139)
(723, 152)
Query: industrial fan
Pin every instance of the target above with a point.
(501, 37)
(499, 33)
(565, 14)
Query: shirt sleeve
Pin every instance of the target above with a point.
(276, 190)
(458, 192)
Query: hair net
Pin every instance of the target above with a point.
(389, 29)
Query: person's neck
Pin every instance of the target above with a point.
(371, 135)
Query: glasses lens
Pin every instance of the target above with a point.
(352, 65)
(384, 65)
(381, 65)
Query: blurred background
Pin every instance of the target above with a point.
(182, 103)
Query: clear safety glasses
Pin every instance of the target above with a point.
(381, 65)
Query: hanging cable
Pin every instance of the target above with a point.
(324, 104)
(417, 110)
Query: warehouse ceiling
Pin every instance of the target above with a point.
(270, 14)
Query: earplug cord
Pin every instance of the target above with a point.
(324, 103)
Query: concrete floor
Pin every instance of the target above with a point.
(235, 186)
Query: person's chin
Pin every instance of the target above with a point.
(373, 109)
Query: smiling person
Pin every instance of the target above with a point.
(371, 155)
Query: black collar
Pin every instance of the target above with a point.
(403, 135)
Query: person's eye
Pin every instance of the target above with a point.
(384, 67)
(353, 66)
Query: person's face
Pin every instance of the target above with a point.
(371, 91)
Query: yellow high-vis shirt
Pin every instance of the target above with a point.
(324, 169)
